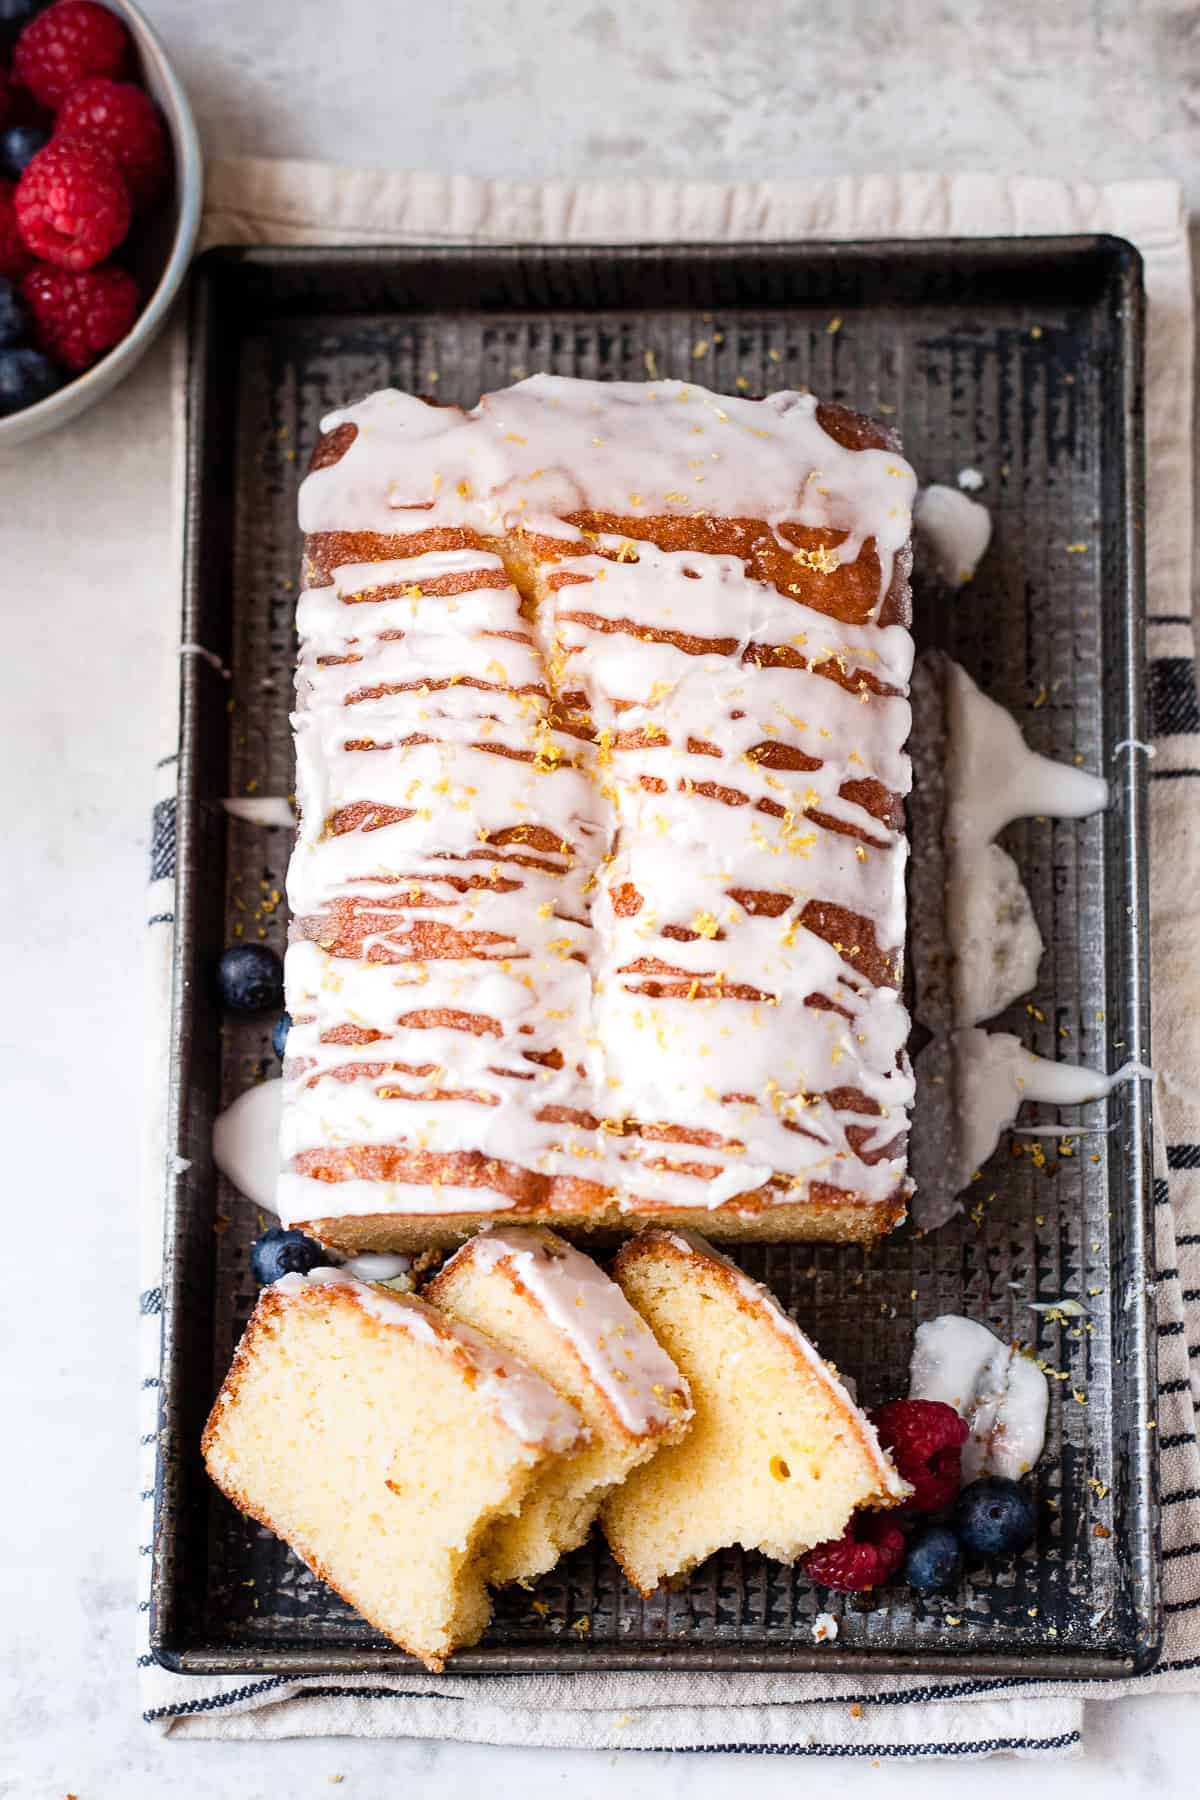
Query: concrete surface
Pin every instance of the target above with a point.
(1097, 88)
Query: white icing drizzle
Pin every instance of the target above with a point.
(529, 1406)
(953, 530)
(992, 778)
(376, 1265)
(977, 1079)
(245, 1143)
(994, 1074)
(265, 809)
(1003, 1395)
(553, 445)
(765, 1303)
(557, 1017)
(613, 1342)
(208, 656)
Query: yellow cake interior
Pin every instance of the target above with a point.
(371, 1452)
(567, 1496)
(778, 1456)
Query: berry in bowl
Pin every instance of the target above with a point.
(100, 189)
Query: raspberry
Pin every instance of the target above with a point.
(926, 1439)
(868, 1553)
(14, 257)
(72, 203)
(68, 43)
(77, 317)
(124, 120)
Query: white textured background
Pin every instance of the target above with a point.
(720, 88)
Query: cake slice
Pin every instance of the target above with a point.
(382, 1441)
(555, 1308)
(778, 1456)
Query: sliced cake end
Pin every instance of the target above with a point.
(553, 1306)
(382, 1441)
(778, 1456)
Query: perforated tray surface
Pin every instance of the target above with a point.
(1020, 359)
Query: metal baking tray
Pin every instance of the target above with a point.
(1021, 358)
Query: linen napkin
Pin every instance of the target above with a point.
(813, 1714)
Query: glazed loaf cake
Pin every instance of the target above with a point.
(598, 895)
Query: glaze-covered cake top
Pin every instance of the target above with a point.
(599, 885)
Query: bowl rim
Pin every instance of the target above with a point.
(189, 184)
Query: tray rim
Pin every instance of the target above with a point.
(215, 266)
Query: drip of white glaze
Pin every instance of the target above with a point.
(529, 1406)
(246, 1143)
(994, 1074)
(996, 776)
(955, 532)
(424, 685)
(267, 809)
(1003, 1395)
(613, 1342)
(993, 778)
(376, 1265)
(767, 1306)
(995, 937)
(208, 656)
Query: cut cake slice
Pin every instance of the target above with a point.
(554, 1307)
(778, 1456)
(382, 1440)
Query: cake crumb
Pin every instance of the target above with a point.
(825, 1628)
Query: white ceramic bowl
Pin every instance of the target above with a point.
(160, 250)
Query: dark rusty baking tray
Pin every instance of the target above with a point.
(1020, 357)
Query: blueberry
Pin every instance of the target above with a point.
(250, 978)
(14, 320)
(279, 1034)
(278, 1252)
(934, 1560)
(26, 376)
(994, 1517)
(19, 145)
(15, 15)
